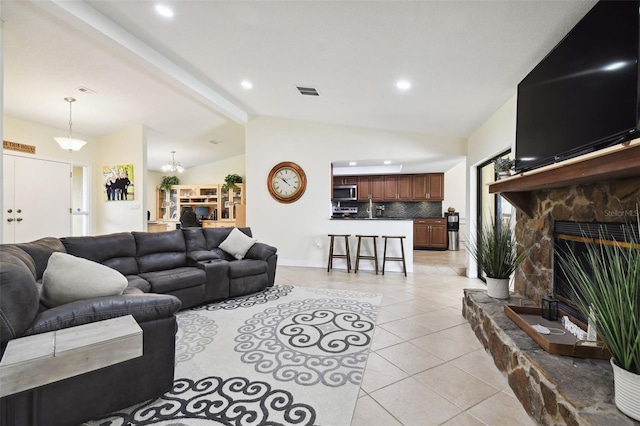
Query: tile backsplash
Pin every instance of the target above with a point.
(403, 210)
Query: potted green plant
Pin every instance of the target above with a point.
(504, 166)
(495, 249)
(230, 182)
(613, 292)
(168, 182)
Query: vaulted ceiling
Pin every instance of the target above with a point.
(181, 76)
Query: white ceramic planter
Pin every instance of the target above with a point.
(627, 391)
(498, 288)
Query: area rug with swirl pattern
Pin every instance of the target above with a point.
(284, 356)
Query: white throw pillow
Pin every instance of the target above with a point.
(237, 243)
(69, 278)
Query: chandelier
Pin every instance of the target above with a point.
(173, 165)
(69, 143)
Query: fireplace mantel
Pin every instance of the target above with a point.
(617, 162)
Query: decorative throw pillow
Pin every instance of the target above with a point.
(69, 278)
(237, 243)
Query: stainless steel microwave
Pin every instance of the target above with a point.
(345, 193)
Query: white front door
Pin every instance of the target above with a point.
(37, 199)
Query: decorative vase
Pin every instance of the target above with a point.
(498, 288)
(627, 391)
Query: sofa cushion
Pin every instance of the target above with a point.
(247, 267)
(237, 243)
(40, 250)
(22, 256)
(117, 251)
(19, 302)
(215, 236)
(69, 278)
(143, 307)
(160, 251)
(174, 279)
(135, 281)
(194, 239)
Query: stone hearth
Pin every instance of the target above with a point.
(556, 389)
(553, 389)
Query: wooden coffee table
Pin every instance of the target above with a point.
(33, 361)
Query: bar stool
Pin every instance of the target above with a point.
(375, 252)
(332, 255)
(385, 258)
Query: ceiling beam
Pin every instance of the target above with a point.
(111, 29)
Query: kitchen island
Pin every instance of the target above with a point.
(375, 226)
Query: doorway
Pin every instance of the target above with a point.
(490, 205)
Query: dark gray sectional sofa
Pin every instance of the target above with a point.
(166, 272)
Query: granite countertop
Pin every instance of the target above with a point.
(373, 218)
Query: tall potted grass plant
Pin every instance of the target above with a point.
(495, 250)
(613, 290)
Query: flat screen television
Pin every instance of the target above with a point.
(202, 212)
(583, 95)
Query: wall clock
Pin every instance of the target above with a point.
(286, 182)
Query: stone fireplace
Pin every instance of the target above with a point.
(553, 389)
(610, 202)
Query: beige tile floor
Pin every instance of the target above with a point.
(426, 366)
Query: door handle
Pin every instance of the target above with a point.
(10, 219)
(19, 211)
(19, 219)
(9, 211)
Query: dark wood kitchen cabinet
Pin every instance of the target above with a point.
(430, 233)
(364, 188)
(397, 188)
(427, 187)
(345, 180)
(377, 188)
(371, 188)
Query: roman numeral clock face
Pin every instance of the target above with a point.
(286, 182)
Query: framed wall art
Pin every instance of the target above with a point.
(118, 182)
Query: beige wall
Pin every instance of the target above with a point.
(295, 228)
(126, 147)
(496, 135)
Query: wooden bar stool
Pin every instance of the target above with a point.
(332, 255)
(375, 252)
(385, 258)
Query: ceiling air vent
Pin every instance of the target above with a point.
(308, 91)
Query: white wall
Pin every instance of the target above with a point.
(126, 147)
(496, 135)
(41, 137)
(214, 172)
(455, 195)
(294, 228)
(153, 181)
(1, 111)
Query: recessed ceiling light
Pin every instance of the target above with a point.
(387, 162)
(352, 163)
(164, 11)
(246, 84)
(403, 84)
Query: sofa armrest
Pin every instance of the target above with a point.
(260, 251)
(196, 256)
(143, 307)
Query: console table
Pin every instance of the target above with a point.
(33, 361)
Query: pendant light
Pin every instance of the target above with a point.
(69, 143)
(173, 165)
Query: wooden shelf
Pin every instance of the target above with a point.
(618, 162)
